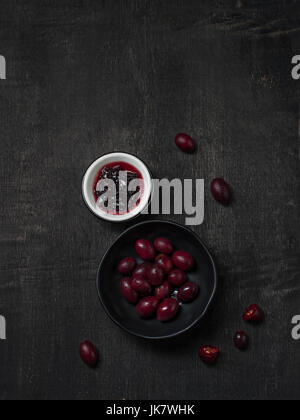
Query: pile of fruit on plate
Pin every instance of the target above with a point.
(159, 284)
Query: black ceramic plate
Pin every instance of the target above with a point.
(123, 313)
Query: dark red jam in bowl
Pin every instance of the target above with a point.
(119, 201)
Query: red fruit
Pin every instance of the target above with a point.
(140, 285)
(209, 354)
(220, 191)
(164, 291)
(127, 291)
(253, 314)
(185, 143)
(165, 263)
(177, 277)
(127, 266)
(241, 340)
(188, 292)
(89, 353)
(156, 275)
(183, 261)
(145, 250)
(142, 270)
(167, 310)
(163, 246)
(147, 307)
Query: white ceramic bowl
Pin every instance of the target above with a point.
(89, 180)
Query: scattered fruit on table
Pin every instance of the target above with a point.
(209, 354)
(89, 353)
(220, 190)
(241, 340)
(253, 314)
(185, 143)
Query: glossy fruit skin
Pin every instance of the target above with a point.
(164, 246)
(156, 275)
(183, 260)
(145, 250)
(164, 291)
(188, 292)
(253, 314)
(127, 265)
(209, 354)
(165, 262)
(127, 291)
(185, 143)
(89, 353)
(142, 269)
(147, 307)
(141, 285)
(241, 340)
(177, 277)
(220, 191)
(167, 310)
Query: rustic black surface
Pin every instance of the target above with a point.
(89, 77)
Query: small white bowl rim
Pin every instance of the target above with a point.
(88, 180)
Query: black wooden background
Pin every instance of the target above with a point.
(89, 77)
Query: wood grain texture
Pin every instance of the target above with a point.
(89, 77)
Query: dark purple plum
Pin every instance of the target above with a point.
(165, 262)
(147, 307)
(183, 260)
(164, 291)
(127, 291)
(142, 269)
(253, 314)
(156, 275)
(145, 250)
(188, 292)
(127, 265)
(220, 190)
(241, 340)
(177, 277)
(164, 246)
(141, 285)
(209, 354)
(89, 353)
(167, 310)
(185, 143)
